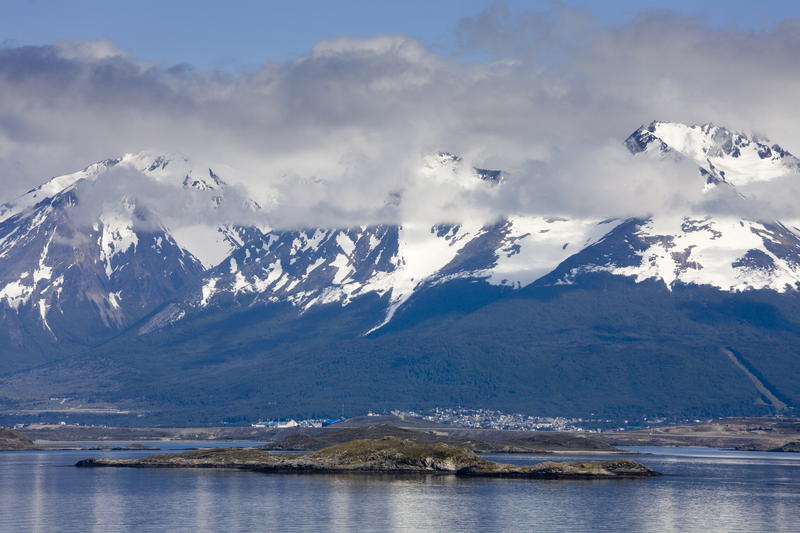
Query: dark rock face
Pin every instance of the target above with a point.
(755, 259)
(639, 140)
(781, 241)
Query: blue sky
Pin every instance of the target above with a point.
(241, 35)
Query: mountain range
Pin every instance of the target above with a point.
(108, 303)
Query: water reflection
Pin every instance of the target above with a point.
(201, 503)
(105, 501)
(39, 491)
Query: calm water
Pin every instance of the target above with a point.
(705, 490)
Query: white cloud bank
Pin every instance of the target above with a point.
(338, 132)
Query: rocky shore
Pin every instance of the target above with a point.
(12, 440)
(776, 434)
(386, 455)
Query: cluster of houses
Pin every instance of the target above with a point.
(292, 423)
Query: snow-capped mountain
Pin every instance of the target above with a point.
(74, 265)
(126, 262)
(107, 296)
(322, 266)
(327, 265)
(720, 251)
(721, 155)
(319, 266)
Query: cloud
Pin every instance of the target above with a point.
(337, 136)
(88, 50)
(154, 204)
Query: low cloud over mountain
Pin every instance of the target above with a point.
(337, 137)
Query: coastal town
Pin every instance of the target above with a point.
(466, 418)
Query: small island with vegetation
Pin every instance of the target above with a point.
(385, 455)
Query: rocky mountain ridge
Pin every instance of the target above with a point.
(103, 296)
(127, 264)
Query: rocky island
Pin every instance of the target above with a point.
(386, 455)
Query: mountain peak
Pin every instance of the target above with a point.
(444, 165)
(167, 168)
(723, 154)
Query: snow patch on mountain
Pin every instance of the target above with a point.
(117, 235)
(209, 243)
(723, 252)
(533, 246)
(16, 293)
(725, 155)
(422, 252)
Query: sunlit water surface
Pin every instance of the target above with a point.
(704, 490)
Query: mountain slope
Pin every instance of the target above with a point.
(717, 250)
(534, 313)
(320, 266)
(76, 269)
(610, 348)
